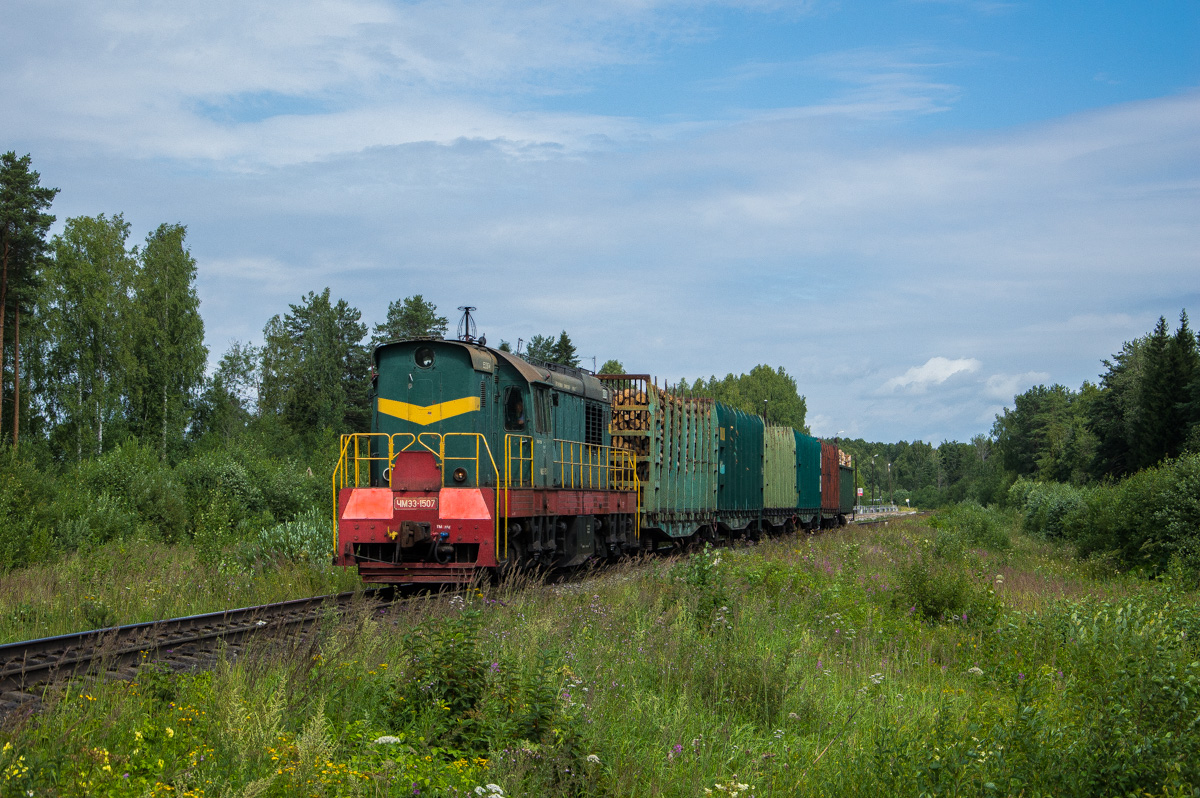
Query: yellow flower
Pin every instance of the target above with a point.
(170, 732)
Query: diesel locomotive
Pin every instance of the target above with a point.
(479, 459)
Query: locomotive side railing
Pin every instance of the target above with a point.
(518, 452)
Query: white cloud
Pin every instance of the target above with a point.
(1005, 386)
(934, 371)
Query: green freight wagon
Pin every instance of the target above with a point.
(848, 492)
(779, 474)
(808, 479)
(739, 467)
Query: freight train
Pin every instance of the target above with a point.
(479, 459)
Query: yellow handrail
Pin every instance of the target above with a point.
(581, 466)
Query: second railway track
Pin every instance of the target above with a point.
(175, 641)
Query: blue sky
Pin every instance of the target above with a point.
(917, 208)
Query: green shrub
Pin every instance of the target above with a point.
(90, 519)
(308, 538)
(134, 477)
(1045, 506)
(942, 592)
(1146, 519)
(26, 520)
(216, 477)
(972, 525)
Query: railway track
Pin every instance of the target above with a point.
(182, 643)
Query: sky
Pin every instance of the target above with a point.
(917, 208)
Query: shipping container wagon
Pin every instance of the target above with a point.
(779, 474)
(739, 467)
(848, 489)
(831, 494)
(808, 478)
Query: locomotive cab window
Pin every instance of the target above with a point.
(514, 410)
(424, 357)
(542, 405)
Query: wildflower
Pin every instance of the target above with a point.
(170, 731)
(387, 739)
(976, 670)
(595, 760)
(876, 678)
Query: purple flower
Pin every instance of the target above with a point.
(1021, 677)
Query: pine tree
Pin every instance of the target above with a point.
(540, 347)
(315, 372)
(1184, 363)
(563, 351)
(1156, 399)
(412, 317)
(23, 227)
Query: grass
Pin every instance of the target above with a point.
(904, 659)
(129, 581)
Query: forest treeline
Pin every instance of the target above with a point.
(110, 425)
(1144, 409)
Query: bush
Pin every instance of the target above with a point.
(139, 485)
(308, 538)
(971, 525)
(942, 592)
(25, 513)
(1045, 506)
(1147, 519)
(217, 477)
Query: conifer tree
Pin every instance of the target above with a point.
(23, 227)
(1156, 399)
(563, 351)
(412, 317)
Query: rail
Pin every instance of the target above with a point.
(32, 662)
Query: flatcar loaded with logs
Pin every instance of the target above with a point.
(481, 459)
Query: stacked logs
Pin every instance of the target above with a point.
(631, 413)
(845, 459)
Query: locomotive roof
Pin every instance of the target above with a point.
(580, 383)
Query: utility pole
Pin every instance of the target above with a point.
(874, 477)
